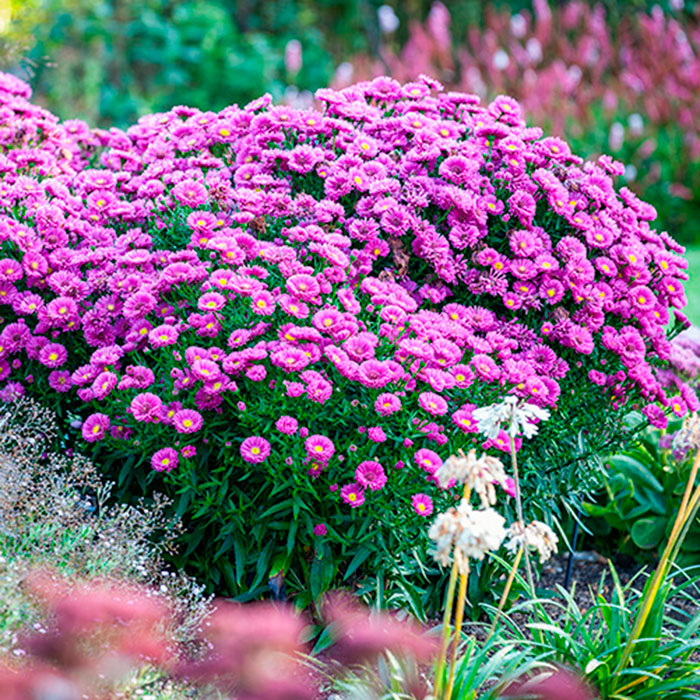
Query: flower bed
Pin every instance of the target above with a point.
(288, 317)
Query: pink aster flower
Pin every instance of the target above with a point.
(287, 425)
(162, 336)
(190, 193)
(255, 449)
(60, 381)
(387, 404)
(376, 434)
(678, 406)
(188, 451)
(95, 427)
(262, 303)
(428, 460)
(320, 530)
(146, 408)
(53, 355)
(422, 504)
(353, 495)
(319, 447)
(433, 403)
(303, 287)
(211, 301)
(187, 420)
(164, 460)
(509, 486)
(370, 474)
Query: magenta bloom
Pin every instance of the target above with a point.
(163, 335)
(319, 447)
(255, 449)
(303, 286)
(53, 355)
(60, 381)
(211, 301)
(146, 408)
(187, 421)
(422, 504)
(463, 418)
(287, 425)
(428, 460)
(387, 404)
(376, 434)
(656, 416)
(165, 460)
(433, 403)
(262, 303)
(353, 495)
(190, 193)
(188, 451)
(371, 474)
(95, 427)
(374, 373)
(509, 486)
(320, 530)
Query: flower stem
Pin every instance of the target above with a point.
(519, 507)
(506, 590)
(440, 669)
(459, 617)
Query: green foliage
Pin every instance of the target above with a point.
(634, 512)
(110, 62)
(592, 639)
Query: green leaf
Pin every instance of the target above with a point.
(655, 502)
(647, 532)
(635, 470)
(360, 556)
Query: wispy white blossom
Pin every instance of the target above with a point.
(466, 533)
(519, 418)
(480, 474)
(537, 535)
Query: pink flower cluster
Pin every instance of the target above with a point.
(288, 283)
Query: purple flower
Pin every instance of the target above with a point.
(190, 193)
(187, 420)
(165, 460)
(255, 449)
(422, 504)
(95, 427)
(353, 495)
(370, 474)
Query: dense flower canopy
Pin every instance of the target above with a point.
(335, 289)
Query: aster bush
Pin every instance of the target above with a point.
(286, 318)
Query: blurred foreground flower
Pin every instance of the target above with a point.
(477, 474)
(559, 685)
(361, 636)
(252, 653)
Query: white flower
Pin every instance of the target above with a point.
(468, 532)
(443, 531)
(521, 418)
(479, 474)
(537, 535)
(483, 531)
